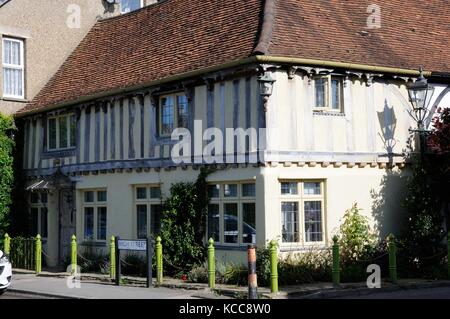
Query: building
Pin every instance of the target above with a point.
(38, 36)
(98, 148)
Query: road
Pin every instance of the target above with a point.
(13, 295)
(428, 293)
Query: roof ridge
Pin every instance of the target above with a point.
(268, 22)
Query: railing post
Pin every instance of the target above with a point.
(336, 263)
(112, 258)
(38, 255)
(211, 265)
(392, 259)
(448, 254)
(7, 247)
(159, 261)
(74, 254)
(273, 266)
(252, 277)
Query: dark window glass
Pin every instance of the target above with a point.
(73, 131)
(141, 221)
(89, 223)
(183, 111)
(167, 115)
(89, 197)
(248, 190)
(231, 223)
(44, 198)
(34, 221)
(102, 196)
(52, 133)
(141, 193)
(63, 142)
(35, 198)
(249, 223)
(101, 223)
(155, 193)
(230, 190)
(320, 85)
(312, 188)
(289, 188)
(336, 94)
(214, 191)
(156, 219)
(213, 222)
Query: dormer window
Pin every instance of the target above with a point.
(130, 5)
(328, 92)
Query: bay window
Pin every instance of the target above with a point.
(302, 212)
(13, 68)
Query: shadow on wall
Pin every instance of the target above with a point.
(387, 204)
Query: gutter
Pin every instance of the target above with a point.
(260, 59)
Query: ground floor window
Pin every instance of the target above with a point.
(232, 213)
(39, 214)
(302, 211)
(95, 215)
(148, 208)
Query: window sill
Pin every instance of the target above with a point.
(328, 113)
(93, 244)
(14, 99)
(59, 153)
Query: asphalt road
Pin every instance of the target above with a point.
(13, 295)
(428, 293)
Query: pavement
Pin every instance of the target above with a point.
(97, 286)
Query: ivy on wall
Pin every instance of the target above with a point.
(7, 127)
(183, 224)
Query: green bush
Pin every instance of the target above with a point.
(6, 169)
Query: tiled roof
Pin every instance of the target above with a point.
(179, 36)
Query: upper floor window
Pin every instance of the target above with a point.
(13, 68)
(328, 91)
(130, 5)
(173, 113)
(61, 132)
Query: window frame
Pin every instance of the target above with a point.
(149, 203)
(175, 110)
(95, 205)
(69, 136)
(300, 199)
(328, 98)
(123, 12)
(240, 200)
(20, 67)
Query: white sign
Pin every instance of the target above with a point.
(138, 245)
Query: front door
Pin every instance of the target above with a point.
(67, 222)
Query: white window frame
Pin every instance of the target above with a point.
(39, 206)
(300, 199)
(20, 67)
(328, 107)
(148, 202)
(123, 12)
(68, 117)
(240, 200)
(175, 112)
(95, 205)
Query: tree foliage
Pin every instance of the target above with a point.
(183, 224)
(6, 169)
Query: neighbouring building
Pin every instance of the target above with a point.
(36, 37)
(97, 137)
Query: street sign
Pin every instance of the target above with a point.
(135, 245)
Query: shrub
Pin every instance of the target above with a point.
(91, 261)
(6, 169)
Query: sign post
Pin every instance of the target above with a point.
(135, 245)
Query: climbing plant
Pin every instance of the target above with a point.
(183, 224)
(6, 169)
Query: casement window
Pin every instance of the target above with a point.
(148, 208)
(130, 5)
(13, 68)
(95, 214)
(232, 213)
(61, 132)
(173, 113)
(328, 92)
(302, 212)
(39, 214)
